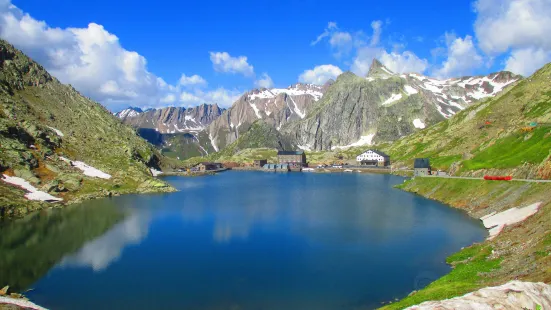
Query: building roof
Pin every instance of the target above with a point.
(421, 163)
(377, 152)
(290, 153)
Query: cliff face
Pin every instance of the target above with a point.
(275, 107)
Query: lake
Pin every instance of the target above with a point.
(237, 241)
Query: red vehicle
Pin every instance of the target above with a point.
(497, 178)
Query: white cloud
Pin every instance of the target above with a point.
(527, 61)
(340, 41)
(520, 27)
(462, 57)
(224, 62)
(95, 63)
(505, 24)
(399, 62)
(331, 26)
(194, 80)
(91, 59)
(265, 81)
(221, 96)
(344, 42)
(170, 98)
(403, 62)
(320, 74)
(376, 25)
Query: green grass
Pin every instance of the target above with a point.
(465, 277)
(513, 151)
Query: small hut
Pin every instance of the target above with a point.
(421, 167)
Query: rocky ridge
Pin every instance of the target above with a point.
(385, 106)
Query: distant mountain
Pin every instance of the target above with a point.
(172, 119)
(509, 134)
(275, 107)
(384, 106)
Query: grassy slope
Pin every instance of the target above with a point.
(521, 251)
(30, 101)
(499, 147)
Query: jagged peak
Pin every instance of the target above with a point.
(378, 69)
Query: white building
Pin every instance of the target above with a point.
(374, 158)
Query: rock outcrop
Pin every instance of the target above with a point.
(511, 296)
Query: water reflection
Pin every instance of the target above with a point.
(243, 241)
(29, 247)
(101, 252)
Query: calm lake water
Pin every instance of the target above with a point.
(236, 241)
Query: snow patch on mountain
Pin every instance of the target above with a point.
(256, 110)
(393, 98)
(364, 140)
(57, 131)
(418, 124)
(294, 90)
(86, 169)
(296, 109)
(130, 112)
(33, 192)
(410, 90)
(213, 143)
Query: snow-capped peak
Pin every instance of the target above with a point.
(129, 112)
(294, 90)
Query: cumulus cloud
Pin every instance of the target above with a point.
(527, 61)
(399, 62)
(505, 24)
(194, 80)
(94, 62)
(377, 27)
(224, 62)
(331, 26)
(320, 74)
(519, 26)
(223, 97)
(462, 57)
(265, 81)
(366, 49)
(341, 42)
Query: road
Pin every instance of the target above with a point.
(472, 178)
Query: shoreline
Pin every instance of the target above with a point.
(490, 262)
(476, 198)
(29, 207)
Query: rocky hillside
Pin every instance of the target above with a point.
(275, 107)
(385, 106)
(172, 119)
(508, 134)
(58, 146)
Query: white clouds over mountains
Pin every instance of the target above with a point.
(516, 32)
(95, 63)
(320, 74)
(223, 62)
(519, 26)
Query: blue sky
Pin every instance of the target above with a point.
(125, 53)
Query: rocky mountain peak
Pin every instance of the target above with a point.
(378, 69)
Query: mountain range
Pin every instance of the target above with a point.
(351, 111)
